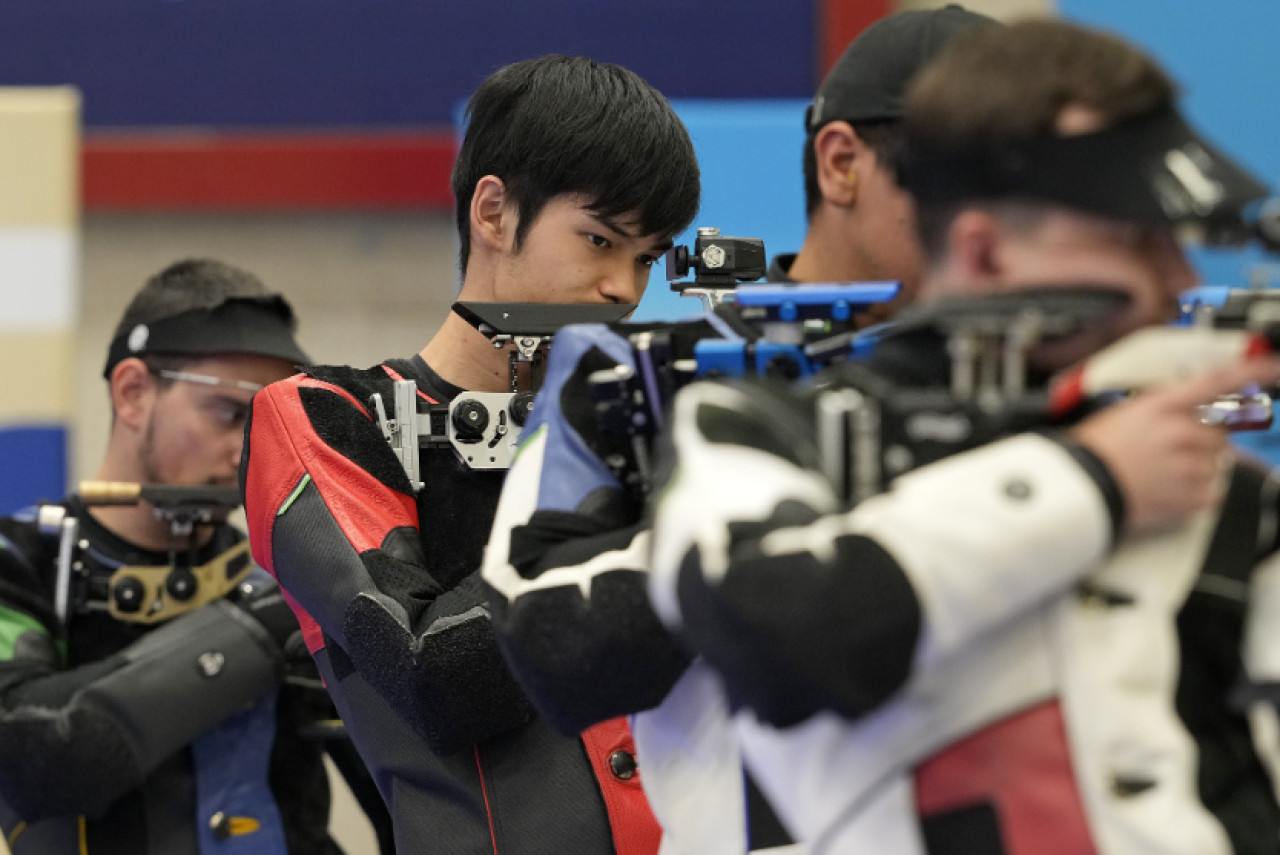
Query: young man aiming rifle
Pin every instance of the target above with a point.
(571, 180)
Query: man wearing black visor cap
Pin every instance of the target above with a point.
(1151, 168)
(1058, 641)
(141, 704)
(859, 225)
(254, 326)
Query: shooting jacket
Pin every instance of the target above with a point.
(971, 662)
(114, 739)
(567, 563)
(385, 584)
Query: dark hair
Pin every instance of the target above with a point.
(882, 136)
(194, 283)
(993, 86)
(562, 124)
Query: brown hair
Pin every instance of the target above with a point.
(194, 283)
(1000, 85)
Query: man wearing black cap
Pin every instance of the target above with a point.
(860, 222)
(1058, 641)
(141, 708)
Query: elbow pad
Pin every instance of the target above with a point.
(450, 681)
(171, 686)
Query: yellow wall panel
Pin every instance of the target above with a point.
(40, 157)
(36, 383)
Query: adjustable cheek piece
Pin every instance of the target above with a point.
(150, 594)
(154, 594)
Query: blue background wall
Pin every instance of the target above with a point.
(34, 465)
(304, 63)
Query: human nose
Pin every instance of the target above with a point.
(618, 291)
(1175, 271)
(624, 284)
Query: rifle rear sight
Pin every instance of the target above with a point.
(718, 263)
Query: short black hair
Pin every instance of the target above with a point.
(883, 136)
(564, 124)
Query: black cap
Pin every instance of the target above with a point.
(870, 79)
(258, 326)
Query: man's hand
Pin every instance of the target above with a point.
(1167, 463)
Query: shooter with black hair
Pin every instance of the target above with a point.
(141, 705)
(571, 181)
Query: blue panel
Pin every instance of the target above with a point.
(828, 301)
(271, 63)
(752, 183)
(1262, 444)
(33, 465)
(1226, 58)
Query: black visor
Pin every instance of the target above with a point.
(1154, 169)
(259, 326)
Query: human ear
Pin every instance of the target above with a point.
(492, 225)
(974, 247)
(133, 391)
(839, 156)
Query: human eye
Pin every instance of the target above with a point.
(599, 240)
(647, 260)
(227, 413)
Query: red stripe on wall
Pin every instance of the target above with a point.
(840, 22)
(245, 171)
(267, 171)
